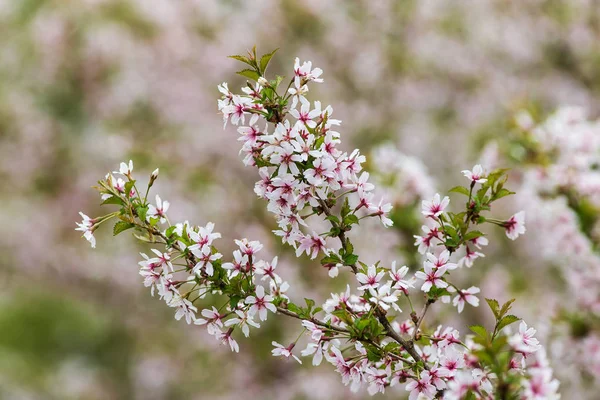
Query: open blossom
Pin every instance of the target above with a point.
(383, 297)
(466, 295)
(312, 245)
(371, 279)
(261, 303)
(160, 211)
(281, 350)
(212, 319)
(432, 277)
(125, 169)
(424, 243)
(440, 261)
(477, 175)
(435, 207)
(524, 341)
(421, 387)
(305, 73)
(397, 277)
(206, 257)
(226, 338)
(87, 227)
(515, 226)
(244, 320)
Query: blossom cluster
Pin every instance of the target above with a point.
(304, 174)
(560, 191)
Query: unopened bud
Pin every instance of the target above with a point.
(263, 81)
(153, 177)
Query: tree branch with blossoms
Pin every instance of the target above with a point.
(305, 176)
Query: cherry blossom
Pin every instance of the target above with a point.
(281, 350)
(477, 175)
(435, 207)
(515, 226)
(160, 211)
(261, 303)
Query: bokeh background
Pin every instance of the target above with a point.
(85, 84)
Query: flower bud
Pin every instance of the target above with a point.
(263, 81)
(153, 177)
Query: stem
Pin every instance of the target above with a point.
(315, 321)
(421, 318)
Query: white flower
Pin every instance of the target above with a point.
(261, 303)
(87, 227)
(160, 211)
(371, 279)
(244, 321)
(476, 175)
(524, 341)
(435, 207)
(125, 169)
(383, 298)
(281, 350)
(515, 226)
(432, 277)
(467, 295)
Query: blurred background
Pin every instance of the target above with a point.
(85, 84)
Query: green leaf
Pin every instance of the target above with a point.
(310, 303)
(502, 193)
(128, 187)
(345, 208)
(121, 226)
(460, 189)
(113, 200)
(294, 308)
(473, 235)
(141, 212)
(479, 331)
(265, 59)
(242, 59)
(350, 219)
(350, 259)
(506, 307)
(506, 321)
(234, 300)
(349, 246)
(330, 259)
(333, 219)
(494, 306)
(249, 73)
(170, 230)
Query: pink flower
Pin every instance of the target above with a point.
(371, 279)
(420, 386)
(160, 211)
(312, 245)
(524, 341)
(281, 350)
(87, 227)
(261, 303)
(515, 226)
(432, 277)
(467, 295)
(477, 175)
(435, 207)
(441, 260)
(205, 259)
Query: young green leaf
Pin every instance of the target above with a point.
(249, 73)
(121, 226)
(265, 59)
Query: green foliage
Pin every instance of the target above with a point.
(121, 226)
